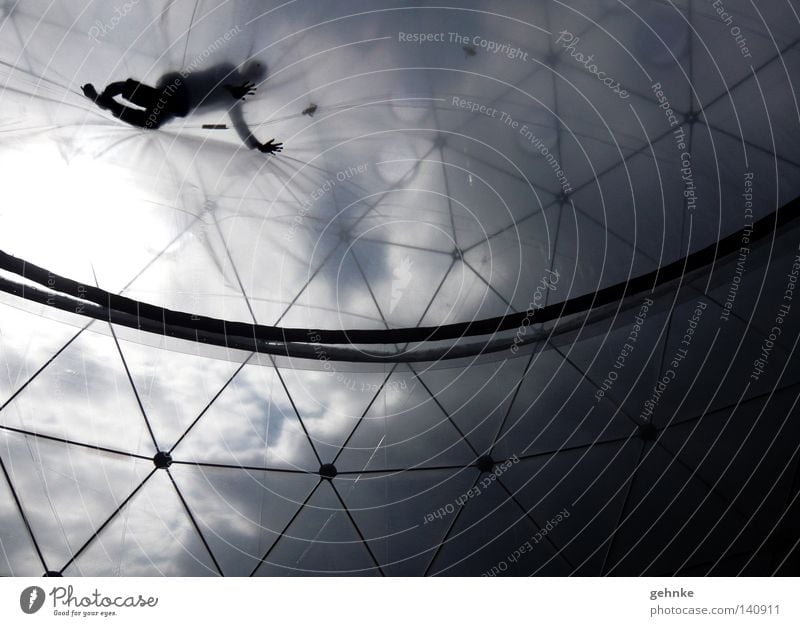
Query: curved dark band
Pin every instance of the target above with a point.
(94, 302)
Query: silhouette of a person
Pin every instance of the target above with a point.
(177, 94)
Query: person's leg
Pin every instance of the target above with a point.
(139, 94)
(135, 117)
(113, 89)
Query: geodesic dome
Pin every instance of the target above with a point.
(517, 297)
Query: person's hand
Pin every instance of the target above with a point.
(239, 92)
(270, 147)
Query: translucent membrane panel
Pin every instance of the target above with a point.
(549, 486)
(27, 343)
(152, 534)
(18, 556)
(242, 513)
(405, 427)
(556, 407)
(67, 492)
(332, 402)
(488, 529)
(404, 516)
(174, 387)
(319, 540)
(252, 423)
(750, 441)
(84, 395)
(479, 413)
(665, 494)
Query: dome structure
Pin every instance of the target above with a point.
(517, 296)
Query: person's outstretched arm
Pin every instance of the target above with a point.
(237, 119)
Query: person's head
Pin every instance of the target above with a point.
(254, 71)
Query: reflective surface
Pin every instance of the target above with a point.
(490, 168)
